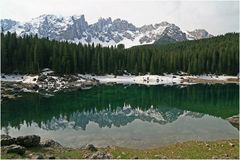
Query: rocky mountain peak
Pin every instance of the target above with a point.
(164, 23)
(123, 25)
(7, 24)
(105, 20)
(199, 34)
(105, 31)
(102, 25)
(147, 28)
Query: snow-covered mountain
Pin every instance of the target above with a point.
(198, 34)
(104, 31)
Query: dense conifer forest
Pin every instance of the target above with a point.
(30, 54)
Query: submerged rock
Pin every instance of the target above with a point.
(15, 149)
(8, 96)
(28, 141)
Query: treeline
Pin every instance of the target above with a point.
(30, 54)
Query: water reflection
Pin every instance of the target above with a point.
(132, 116)
(217, 100)
(120, 117)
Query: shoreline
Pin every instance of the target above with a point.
(31, 147)
(47, 82)
(166, 79)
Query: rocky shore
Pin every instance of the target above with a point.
(47, 82)
(44, 83)
(234, 120)
(32, 147)
(25, 146)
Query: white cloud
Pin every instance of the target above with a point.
(216, 16)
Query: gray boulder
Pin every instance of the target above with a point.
(90, 147)
(5, 136)
(42, 77)
(28, 141)
(38, 156)
(234, 119)
(7, 140)
(15, 149)
(51, 157)
(51, 79)
(100, 155)
(50, 143)
(72, 78)
(35, 87)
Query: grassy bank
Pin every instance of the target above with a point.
(193, 149)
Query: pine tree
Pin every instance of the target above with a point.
(30, 54)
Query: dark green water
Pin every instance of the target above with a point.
(129, 116)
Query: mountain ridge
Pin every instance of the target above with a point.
(105, 31)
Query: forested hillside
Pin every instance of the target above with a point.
(30, 54)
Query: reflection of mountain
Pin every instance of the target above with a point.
(217, 100)
(120, 117)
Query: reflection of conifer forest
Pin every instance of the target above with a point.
(30, 54)
(217, 100)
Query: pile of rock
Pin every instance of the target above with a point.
(28, 141)
(234, 119)
(11, 90)
(90, 147)
(99, 155)
(50, 143)
(46, 83)
(20, 144)
(96, 154)
(65, 82)
(13, 148)
(7, 140)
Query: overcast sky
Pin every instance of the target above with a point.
(217, 17)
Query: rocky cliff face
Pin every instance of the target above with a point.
(105, 31)
(198, 34)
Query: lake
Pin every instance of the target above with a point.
(133, 116)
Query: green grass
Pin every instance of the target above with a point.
(190, 150)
